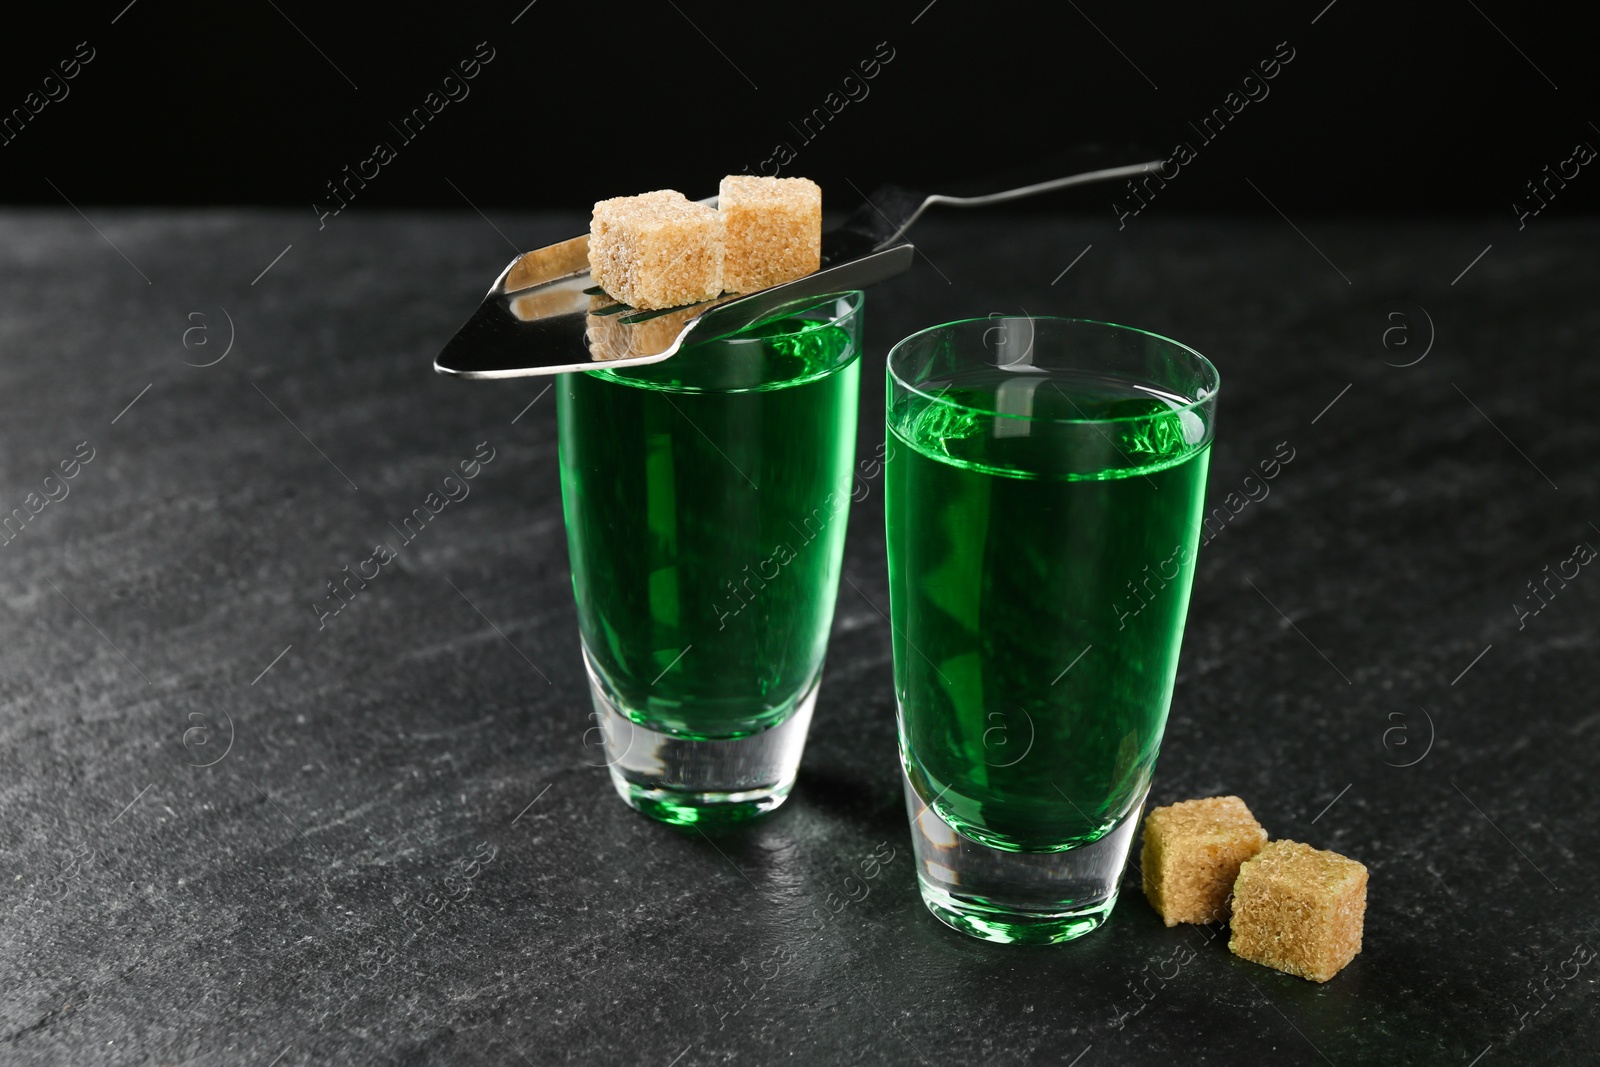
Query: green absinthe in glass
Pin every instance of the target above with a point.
(1039, 589)
(706, 499)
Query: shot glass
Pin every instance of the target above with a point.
(705, 499)
(1044, 490)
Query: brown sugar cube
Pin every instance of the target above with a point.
(774, 230)
(656, 250)
(1299, 909)
(1191, 856)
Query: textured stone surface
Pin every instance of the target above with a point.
(277, 903)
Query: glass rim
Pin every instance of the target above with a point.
(857, 298)
(1207, 368)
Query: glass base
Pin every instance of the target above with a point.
(1025, 898)
(701, 783)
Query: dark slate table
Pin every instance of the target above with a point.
(236, 834)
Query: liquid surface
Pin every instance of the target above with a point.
(706, 499)
(1040, 577)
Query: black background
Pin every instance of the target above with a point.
(1391, 108)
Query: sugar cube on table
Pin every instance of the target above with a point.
(774, 230)
(1299, 909)
(656, 250)
(1191, 856)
